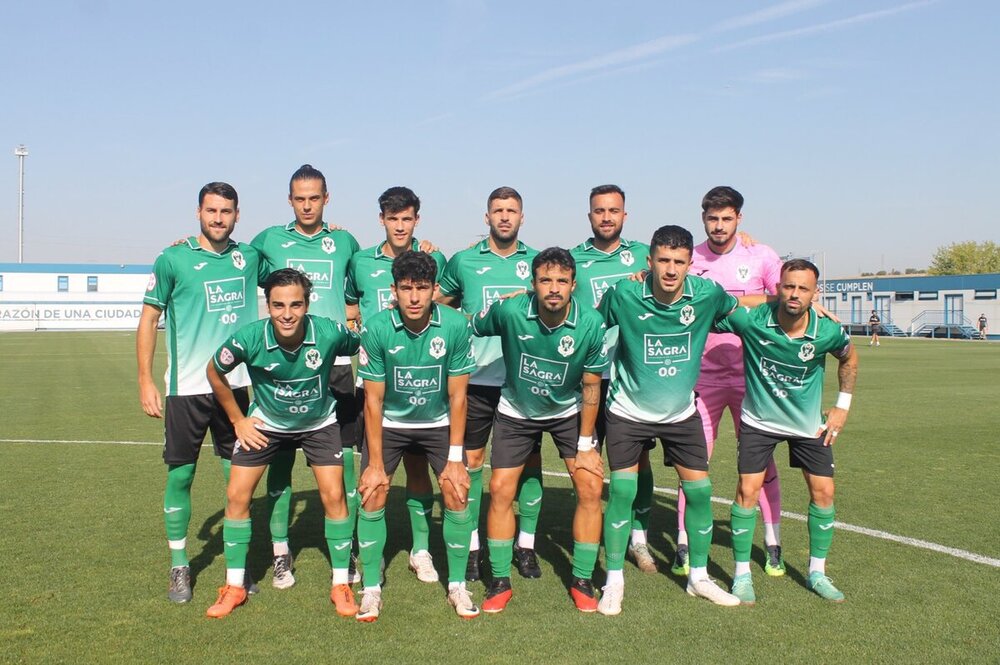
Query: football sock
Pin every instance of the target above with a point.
(473, 501)
(226, 466)
(617, 517)
(643, 502)
(501, 554)
(820, 522)
(698, 520)
(419, 507)
(236, 539)
(371, 544)
(584, 559)
(457, 529)
(742, 522)
(177, 510)
(338, 535)
(351, 488)
(772, 534)
(529, 499)
(770, 503)
(279, 495)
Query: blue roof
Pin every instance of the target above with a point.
(921, 283)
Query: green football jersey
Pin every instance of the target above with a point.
(784, 375)
(206, 298)
(478, 277)
(660, 346)
(544, 367)
(291, 391)
(323, 257)
(415, 366)
(369, 277)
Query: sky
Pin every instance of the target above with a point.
(863, 133)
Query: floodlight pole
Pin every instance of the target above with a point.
(20, 152)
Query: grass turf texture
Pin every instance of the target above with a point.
(86, 562)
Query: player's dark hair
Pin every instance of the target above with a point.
(503, 193)
(414, 266)
(800, 264)
(397, 199)
(553, 256)
(307, 172)
(607, 189)
(287, 277)
(721, 197)
(223, 189)
(672, 237)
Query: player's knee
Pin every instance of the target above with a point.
(821, 494)
(475, 458)
(747, 492)
(503, 486)
(238, 502)
(588, 489)
(622, 491)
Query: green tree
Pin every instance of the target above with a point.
(966, 258)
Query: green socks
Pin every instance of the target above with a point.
(236, 538)
(698, 520)
(617, 517)
(279, 494)
(351, 487)
(643, 500)
(501, 555)
(475, 495)
(177, 510)
(529, 499)
(227, 465)
(371, 544)
(584, 559)
(338, 540)
(457, 530)
(743, 522)
(419, 507)
(820, 524)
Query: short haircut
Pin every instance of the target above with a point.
(607, 189)
(287, 277)
(414, 266)
(673, 237)
(553, 256)
(503, 193)
(223, 189)
(397, 199)
(307, 172)
(801, 264)
(721, 197)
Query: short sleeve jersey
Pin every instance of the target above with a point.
(873, 320)
(478, 277)
(206, 297)
(544, 367)
(741, 271)
(369, 277)
(291, 390)
(660, 346)
(415, 366)
(784, 375)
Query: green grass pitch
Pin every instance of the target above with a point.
(85, 562)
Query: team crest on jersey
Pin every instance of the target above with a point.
(238, 261)
(566, 346)
(362, 356)
(687, 315)
(226, 356)
(522, 270)
(313, 359)
(743, 274)
(151, 284)
(328, 245)
(627, 257)
(437, 347)
(807, 352)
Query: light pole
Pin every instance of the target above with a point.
(20, 152)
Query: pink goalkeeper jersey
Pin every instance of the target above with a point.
(744, 270)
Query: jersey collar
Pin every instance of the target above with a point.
(290, 226)
(812, 328)
(647, 289)
(379, 254)
(192, 243)
(484, 247)
(574, 311)
(397, 320)
(623, 244)
(270, 343)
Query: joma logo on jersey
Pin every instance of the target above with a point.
(491, 294)
(789, 376)
(667, 349)
(299, 390)
(417, 380)
(600, 285)
(223, 295)
(384, 298)
(542, 370)
(320, 272)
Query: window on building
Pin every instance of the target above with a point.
(1, 282)
(62, 283)
(92, 283)
(981, 294)
(927, 295)
(904, 296)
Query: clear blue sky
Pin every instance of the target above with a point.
(867, 129)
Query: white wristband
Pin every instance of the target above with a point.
(585, 444)
(455, 453)
(843, 401)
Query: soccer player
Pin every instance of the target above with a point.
(207, 287)
(555, 353)
(289, 357)
(369, 285)
(311, 246)
(601, 261)
(663, 323)
(874, 323)
(740, 269)
(415, 360)
(474, 279)
(982, 326)
(784, 355)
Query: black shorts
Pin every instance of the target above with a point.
(514, 440)
(189, 418)
(321, 447)
(482, 401)
(683, 442)
(432, 442)
(348, 408)
(601, 426)
(755, 447)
